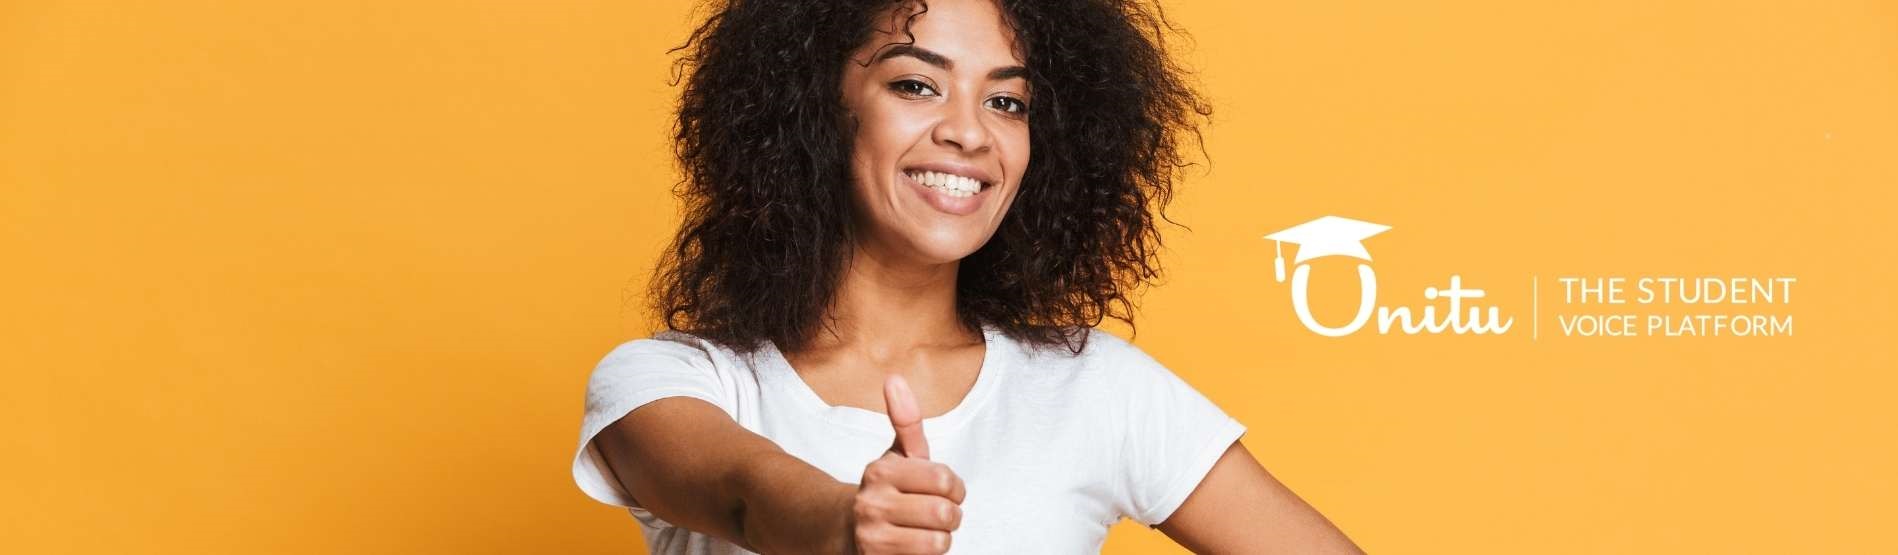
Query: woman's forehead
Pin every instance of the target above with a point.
(967, 34)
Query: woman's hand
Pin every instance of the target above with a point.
(905, 503)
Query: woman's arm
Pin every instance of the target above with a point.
(1240, 508)
(689, 463)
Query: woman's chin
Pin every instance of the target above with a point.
(947, 245)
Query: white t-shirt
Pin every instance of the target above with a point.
(1053, 447)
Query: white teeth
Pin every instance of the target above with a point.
(953, 185)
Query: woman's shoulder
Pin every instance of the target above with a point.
(1109, 376)
(1101, 352)
(677, 347)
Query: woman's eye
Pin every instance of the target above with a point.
(912, 87)
(1009, 104)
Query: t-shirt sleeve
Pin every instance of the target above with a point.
(1173, 435)
(633, 374)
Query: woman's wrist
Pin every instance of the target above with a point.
(789, 506)
(844, 506)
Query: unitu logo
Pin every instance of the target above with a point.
(1335, 236)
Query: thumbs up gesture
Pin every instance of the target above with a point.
(905, 503)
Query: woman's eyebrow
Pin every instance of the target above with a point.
(934, 59)
(1009, 72)
(919, 53)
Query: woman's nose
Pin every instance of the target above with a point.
(962, 127)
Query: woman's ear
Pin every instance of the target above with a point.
(847, 119)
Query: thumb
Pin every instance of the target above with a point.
(905, 417)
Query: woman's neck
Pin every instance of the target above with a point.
(887, 305)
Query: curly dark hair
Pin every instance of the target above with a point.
(764, 148)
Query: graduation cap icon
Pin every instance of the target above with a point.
(1326, 236)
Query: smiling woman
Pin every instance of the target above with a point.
(950, 194)
(774, 158)
(942, 126)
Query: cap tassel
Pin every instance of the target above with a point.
(1278, 260)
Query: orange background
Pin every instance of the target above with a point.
(330, 277)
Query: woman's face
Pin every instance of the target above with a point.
(941, 130)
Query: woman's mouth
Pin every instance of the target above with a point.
(949, 183)
(950, 193)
